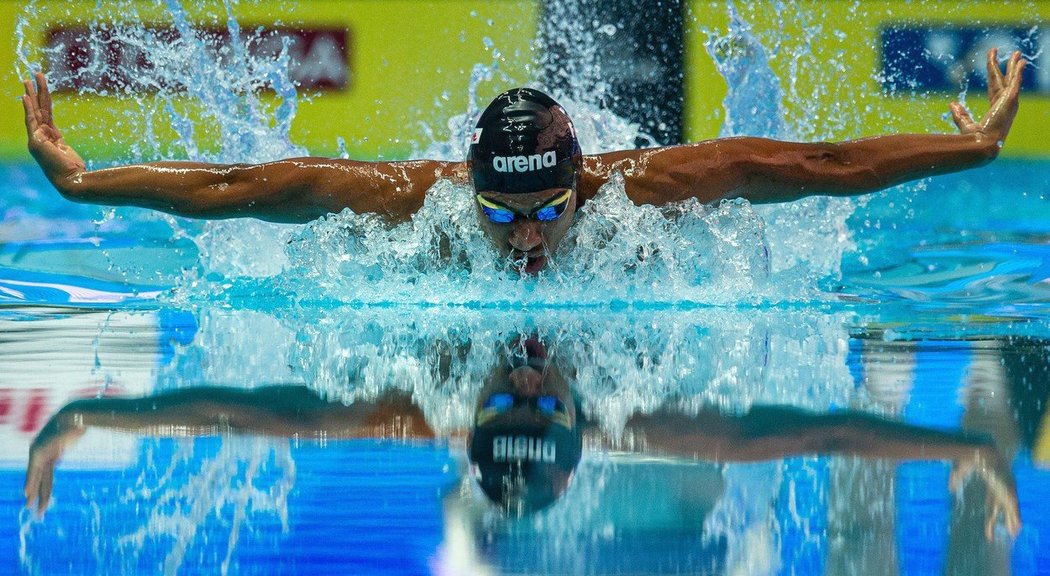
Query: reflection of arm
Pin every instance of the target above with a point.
(271, 410)
(773, 432)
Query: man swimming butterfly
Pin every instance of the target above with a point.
(527, 171)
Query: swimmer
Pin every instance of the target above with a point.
(528, 433)
(527, 171)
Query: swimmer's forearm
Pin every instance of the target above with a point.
(792, 171)
(293, 190)
(856, 167)
(197, 190)
(762, 170)
(903, 158)
(282, 411)
(870, 436)
(777, 432)
(191, 412)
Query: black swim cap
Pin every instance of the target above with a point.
(524, 469)
(524, 142)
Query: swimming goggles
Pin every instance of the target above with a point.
(547, 405)
(547, 213)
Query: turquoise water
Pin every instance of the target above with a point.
(933, 319)
(924, 304)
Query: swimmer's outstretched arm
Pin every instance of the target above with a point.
(767, 432)
(293, 190)
(762, 170)
(282, 411)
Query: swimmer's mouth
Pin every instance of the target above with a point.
(529, 262)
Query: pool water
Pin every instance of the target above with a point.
(924, 305)
(938, 319)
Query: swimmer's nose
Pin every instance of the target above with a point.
(527, 381)
(525, 236)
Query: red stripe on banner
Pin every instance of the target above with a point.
(113, 60)
(34, 411)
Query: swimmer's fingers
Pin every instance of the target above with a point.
(44, 100)
(39, 482)
(31, 488)
(991, 516)
(960, 472)
(44, 454)
(995, 75)
(962, 118)
(29, 102)
(31, 122)
(994, 508)
(1001, 495)
(47, 482)
(30, 86)
(1014, 74)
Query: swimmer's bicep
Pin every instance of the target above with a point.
(759, 170)
(708, 171)
(394, 190)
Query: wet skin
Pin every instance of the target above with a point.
(528, 242)
(759, 170)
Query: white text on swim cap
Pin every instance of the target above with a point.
(524, 163)
(508, 448)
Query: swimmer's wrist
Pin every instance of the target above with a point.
(989, 143)
(72, 186)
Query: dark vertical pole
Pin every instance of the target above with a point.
(630, 53)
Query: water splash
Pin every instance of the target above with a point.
(806, 238)
(623, 363)
(617, 252)
(177, 501)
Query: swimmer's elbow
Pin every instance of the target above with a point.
(834, 169)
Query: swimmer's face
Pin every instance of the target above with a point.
(529, 377)
(526, 397)
(528, 240)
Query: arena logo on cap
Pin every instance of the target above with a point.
(510, 448)
(524, 163)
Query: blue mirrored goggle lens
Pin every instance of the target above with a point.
(499, 216)
(547, 404)
(500, 403)
(549, 213)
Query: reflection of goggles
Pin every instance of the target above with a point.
(547, 405)
(548, 212)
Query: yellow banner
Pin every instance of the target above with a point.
(827, 57)
(410, 61)
(410, 64)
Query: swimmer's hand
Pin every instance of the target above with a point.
(44, 453)
(1001, 500)
(1003, 94)
(59, 161)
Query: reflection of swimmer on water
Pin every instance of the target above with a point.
(528, 432)
(527, 170)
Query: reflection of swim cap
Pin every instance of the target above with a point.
(524, 468)
(524, 142)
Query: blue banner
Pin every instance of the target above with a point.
(948, 58)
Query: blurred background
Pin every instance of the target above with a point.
(384, 78)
